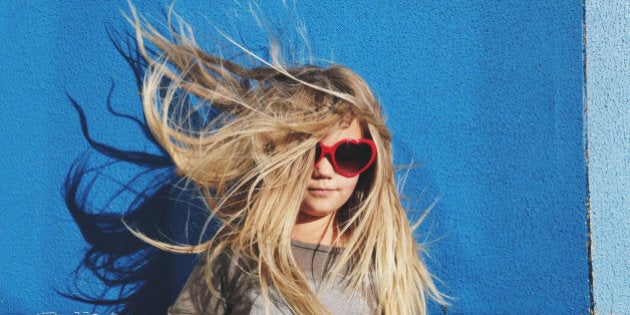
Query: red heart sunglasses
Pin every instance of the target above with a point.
(349, 157)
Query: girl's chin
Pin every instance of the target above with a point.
(315, 214)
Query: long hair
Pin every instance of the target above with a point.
(252, 153)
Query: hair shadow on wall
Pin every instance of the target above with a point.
(132, 277)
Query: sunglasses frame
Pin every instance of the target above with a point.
(331, 150)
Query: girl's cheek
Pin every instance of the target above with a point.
(351, 184)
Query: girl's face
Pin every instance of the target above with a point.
(327, 191)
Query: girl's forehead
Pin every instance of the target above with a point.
(350, 130)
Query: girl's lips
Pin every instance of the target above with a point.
(320, 192)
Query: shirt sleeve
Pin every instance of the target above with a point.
(196, 297)
(237, 290)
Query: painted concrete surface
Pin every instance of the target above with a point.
(487, 97)
(608, 134)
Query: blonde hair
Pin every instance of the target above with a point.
(246, 138)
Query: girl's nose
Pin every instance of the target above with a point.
(323, 168)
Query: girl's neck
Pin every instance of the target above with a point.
(316, 230)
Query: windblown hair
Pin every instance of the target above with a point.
(246, 137)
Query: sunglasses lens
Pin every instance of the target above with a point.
(318, 152)
(353, 157)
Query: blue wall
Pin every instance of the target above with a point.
(608, 134)
(487, 97)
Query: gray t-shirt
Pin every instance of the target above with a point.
(240, 293)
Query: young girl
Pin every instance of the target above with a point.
(296, 162)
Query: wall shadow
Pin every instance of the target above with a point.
(120, 273)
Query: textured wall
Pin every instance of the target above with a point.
(487, 97)
(608, 134)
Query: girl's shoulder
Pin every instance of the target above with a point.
(236, 283)
(235, 288)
